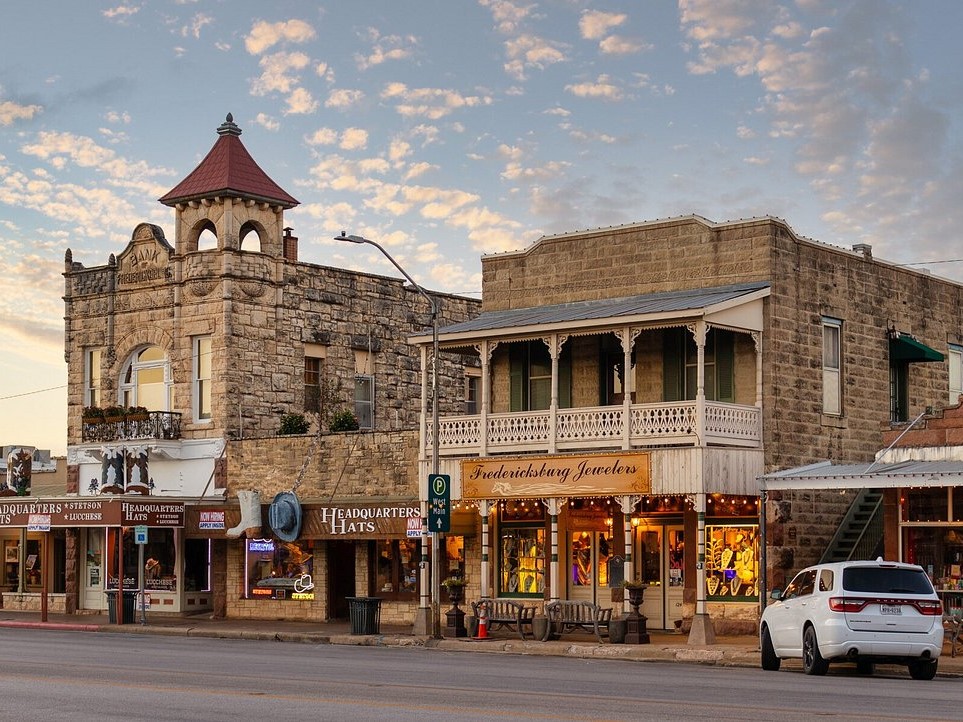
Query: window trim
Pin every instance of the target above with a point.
(198, 381)
(93, 386)
(832, 375)
(954, 361)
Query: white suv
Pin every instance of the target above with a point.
(862, 612)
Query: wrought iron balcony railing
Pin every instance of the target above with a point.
(153, 425)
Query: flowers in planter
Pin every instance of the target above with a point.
(343, 420)
(92, 414)
(457, 582)
(114, 413)
(633, 584)
(137, 413)
(292, 424)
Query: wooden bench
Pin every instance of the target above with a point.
(952, 624)
(505, 613)
(566, 615)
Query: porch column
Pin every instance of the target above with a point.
(485, 353)
(423, 621)
(702, 631)
(627, 504)
(423, 426)
(700, 331)
(627, 338)
(553, 350)
(484, 508)
(757, 342)
(553, 505)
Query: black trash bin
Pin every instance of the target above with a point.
(365, 613)
(130, 606)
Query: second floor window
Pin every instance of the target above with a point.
(146, 380)
(364, 401)
(472, 393)
(681, 366)
(955, 360)
(202, 378)
(92, 386)
(832, 367)
(312, 384)
(531, 376)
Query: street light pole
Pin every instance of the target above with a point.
(435, 545)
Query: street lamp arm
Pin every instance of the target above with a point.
(362, 239)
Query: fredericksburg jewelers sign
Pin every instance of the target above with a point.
(564, 475)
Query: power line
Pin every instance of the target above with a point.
(31, 393)
(929, 263)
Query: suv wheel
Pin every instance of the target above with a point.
(770, 662)
(813, 662)
(922, 669)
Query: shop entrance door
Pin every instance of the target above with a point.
(588, 578)
(341, 577)
(93, 571)
(659, 554)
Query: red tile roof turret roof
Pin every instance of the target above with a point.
(228, 169)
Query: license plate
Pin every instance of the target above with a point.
(890, 609)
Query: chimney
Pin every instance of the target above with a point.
(290, 246)
(865, 249)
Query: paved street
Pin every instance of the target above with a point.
(131, 675)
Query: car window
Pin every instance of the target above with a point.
(826, 580)
(886, 580)
(803, 583)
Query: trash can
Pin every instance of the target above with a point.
(130, 606)
(365, 613)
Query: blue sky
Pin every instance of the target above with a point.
(447, 129)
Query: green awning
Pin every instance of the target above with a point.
(908, 349)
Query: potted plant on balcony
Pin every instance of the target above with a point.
(113, 414)
(137, 413)
(93, 415)
(343, 420)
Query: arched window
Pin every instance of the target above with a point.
(207, 237)
(250, 237)
(146, 380)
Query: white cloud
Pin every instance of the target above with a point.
(508, 16)
(354, 139)
(300, 102)
(279, 73)
(418, 169)
(432, 103)
(196, 25)
(121, 13)
(343, 98)
(322, 136)
(619, 45)
(264, 35)
(398, 150)
(11, 112)
(386, 48)
(529, 51)
(266, 121)
(603, 88)
(594, 24)
(112, 116)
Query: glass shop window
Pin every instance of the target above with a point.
(521, 569)
(279, 570)
(924, 504)
(732, 566)
(159, 561)
(397, 568)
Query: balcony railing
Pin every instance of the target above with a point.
(156, 425)
(602, 427)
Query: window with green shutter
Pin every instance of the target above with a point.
(530, 371)
(680, 365)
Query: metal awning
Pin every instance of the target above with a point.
(908, 349)
(866, 475)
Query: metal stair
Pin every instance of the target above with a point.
(860, 533)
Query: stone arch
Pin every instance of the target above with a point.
(251, 236)
(203, 236)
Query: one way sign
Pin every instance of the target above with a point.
(439, 503)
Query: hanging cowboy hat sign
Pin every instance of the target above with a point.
(284, 516)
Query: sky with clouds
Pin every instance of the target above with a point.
(448, 129)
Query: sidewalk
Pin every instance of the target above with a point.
(741, 651)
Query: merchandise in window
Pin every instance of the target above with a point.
(732, 568)
(279, 570)
(397, 568)
(522, 561)
(159, 561)
(924, 504)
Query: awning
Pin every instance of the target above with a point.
(906, 348)
(827, 475)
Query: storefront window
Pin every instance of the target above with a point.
(957, 494)
(732, 553)
(197, 565)
(676, 551)
(939, 550)
(397, 568)
(925, 504)
(159, 560)
(455, 554)
(279, 570)
(522, 561)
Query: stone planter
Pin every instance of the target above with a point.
(540, 627)
(617, 629)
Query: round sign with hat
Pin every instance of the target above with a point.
(284, 516)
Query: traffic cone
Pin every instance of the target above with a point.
(482, 623)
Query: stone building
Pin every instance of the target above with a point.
(192, 365)
(678, 361)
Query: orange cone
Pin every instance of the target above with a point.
(483, 623)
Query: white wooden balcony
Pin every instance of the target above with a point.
(600, 427)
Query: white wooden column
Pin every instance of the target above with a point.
(627, 504)
(484, 508)
(553, 505)
(699, 332)
(553, 351)
(485, 352)
(627, 338)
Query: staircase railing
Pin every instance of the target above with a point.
(870, 532)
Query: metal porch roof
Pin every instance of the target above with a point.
(869, 475)
(670, 302)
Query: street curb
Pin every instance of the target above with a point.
(59, 626)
